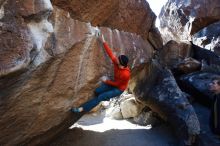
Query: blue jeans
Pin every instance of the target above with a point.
(104, 92)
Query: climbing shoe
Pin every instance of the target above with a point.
(76, 110)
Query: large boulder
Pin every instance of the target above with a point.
(188, 65)
(123, 107)
(127, 15)
(155, 38)
(197, 85)
(157, 88)
(17, 47)
(204, 55)
(49, 66)
(209, 38)
(130, 107)
(181, 19)
(174, 52)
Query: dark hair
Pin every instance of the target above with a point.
(218, 82)
(217, 79)
(123, 60)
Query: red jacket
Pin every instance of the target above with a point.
(121, 76)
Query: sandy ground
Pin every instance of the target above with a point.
(98, 130)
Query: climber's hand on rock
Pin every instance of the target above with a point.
(102, 38)
(104, 78)
(97, 32)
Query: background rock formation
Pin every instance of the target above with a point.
(205, 56)
(209, 37)
(181, 19)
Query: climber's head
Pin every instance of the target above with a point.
(215, 85)
(123, 60)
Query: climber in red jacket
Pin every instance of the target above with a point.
(109, 88)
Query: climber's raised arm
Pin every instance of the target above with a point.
(109, 51)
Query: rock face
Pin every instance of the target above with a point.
(181, 19)
(158, 89)
(123, 107)
(174, 52)
(197, 85)
(147, 117)
(130, 107)
(49, 64)
(155, 38)
(188, 65)
(127, 15)
(204, 55)
(17, 47)
(209, 37)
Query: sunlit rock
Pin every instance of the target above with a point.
(124, 107)
(209, 38)
(181, 19)
(130, 107)
(114, 112)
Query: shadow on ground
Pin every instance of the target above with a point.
(158, 136)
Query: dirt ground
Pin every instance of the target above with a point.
(98, 130)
